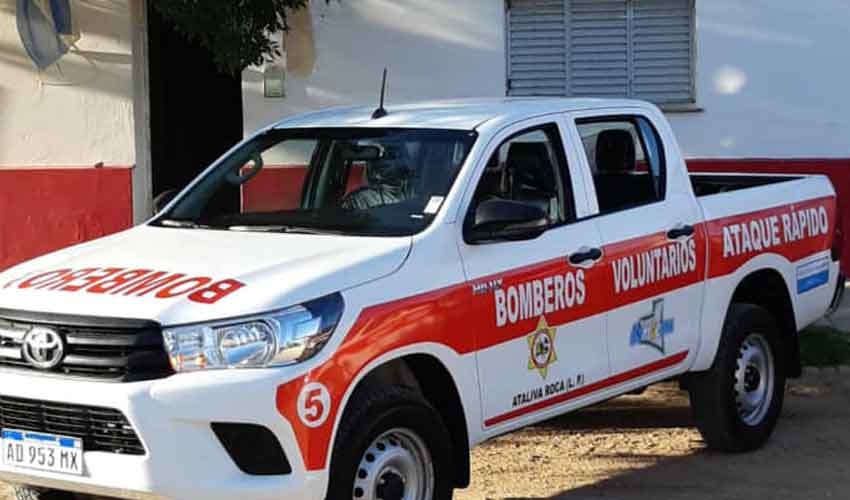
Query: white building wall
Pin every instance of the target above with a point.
(81, 116)
(773, 76)
(773, 79)
(433, 49)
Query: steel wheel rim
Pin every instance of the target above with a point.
(396, 466)
(754, 379)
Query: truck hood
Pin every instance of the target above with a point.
(177, 276)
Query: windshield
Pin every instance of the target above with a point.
(365, 182)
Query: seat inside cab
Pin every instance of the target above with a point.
(622, 174)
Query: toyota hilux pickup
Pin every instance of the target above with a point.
(345, 303)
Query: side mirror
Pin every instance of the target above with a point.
(163, 199)
(507, 220)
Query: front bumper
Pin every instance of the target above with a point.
(184, 460)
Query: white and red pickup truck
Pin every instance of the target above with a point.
(343, 305)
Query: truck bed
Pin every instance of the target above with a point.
(713, 183)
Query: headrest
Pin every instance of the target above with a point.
(615, 151)
(528, 152)
(390, 170)
(536, 168)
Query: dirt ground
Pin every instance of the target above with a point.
(645, 448)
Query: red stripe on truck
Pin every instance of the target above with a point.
(793, 231)
(592, 388)
(467, 322)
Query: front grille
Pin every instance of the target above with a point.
(109, 349)
(101, 429)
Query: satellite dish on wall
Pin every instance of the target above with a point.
(46, 28)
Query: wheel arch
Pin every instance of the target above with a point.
(428, 375)
(767, 288)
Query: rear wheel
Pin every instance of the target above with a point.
(755, 377)
(737, 403)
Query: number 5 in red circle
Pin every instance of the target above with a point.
(314, 404)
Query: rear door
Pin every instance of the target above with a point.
(539, 332)
(653, 243)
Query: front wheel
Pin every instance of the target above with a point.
(737, 403)
(392, 445)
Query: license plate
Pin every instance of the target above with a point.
(47, 452)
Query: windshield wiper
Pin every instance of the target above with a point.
(183, 224)
(311, 230)
(258, 229)
(282, 229)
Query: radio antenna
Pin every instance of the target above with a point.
(381, 112)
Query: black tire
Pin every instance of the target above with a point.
(713, 394)
(375, 412)
(31, 493)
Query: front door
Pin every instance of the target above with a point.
(541, 337)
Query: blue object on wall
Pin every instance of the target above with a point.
(39, 35)
(61, 10)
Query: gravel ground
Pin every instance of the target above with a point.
(645, 448)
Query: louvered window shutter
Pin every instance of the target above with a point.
(537, 63)
(662, 50)
(599, 48)
(602, 48)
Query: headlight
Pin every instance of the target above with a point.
(278, 338)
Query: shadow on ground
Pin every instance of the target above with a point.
(645, 448)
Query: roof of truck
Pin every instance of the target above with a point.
(462, 114)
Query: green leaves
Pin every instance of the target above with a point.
(235, 31)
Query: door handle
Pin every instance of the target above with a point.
(584, 254)
(680, 231)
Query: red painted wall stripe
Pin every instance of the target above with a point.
(45, 209)
(591, 388)
(276, 187)
(283, 187)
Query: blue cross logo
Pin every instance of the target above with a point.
(653, 328)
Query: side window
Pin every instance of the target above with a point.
(626, 159)
(531, 168)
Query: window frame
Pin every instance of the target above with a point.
(570, 210)
(632, 118)
(690, 106)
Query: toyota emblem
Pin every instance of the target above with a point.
(43, 348)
